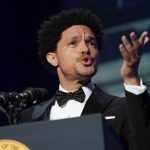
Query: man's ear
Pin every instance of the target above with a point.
(52, 58)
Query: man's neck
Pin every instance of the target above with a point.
(90, 86)
(73, 85)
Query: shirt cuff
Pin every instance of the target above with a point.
(135, 89)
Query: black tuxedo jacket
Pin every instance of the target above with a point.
(132, 115)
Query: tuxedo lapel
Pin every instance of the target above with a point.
(97, 102)
(41, 112)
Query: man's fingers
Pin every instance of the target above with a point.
(126, 43)
(143, 38)
(123, 51)
(134, 40)
(146, 40)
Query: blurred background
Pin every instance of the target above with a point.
(20, 66)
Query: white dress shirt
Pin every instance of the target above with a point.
(135, 89)
(74, 108)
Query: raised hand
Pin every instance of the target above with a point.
(131, 53)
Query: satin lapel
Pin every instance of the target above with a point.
(41, 112)
(97, 102)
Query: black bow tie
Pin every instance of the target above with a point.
(63, 97)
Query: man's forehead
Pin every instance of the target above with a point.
(77, 31)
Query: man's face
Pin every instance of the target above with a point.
(76, 56)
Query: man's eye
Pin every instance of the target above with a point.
(73, 43)
(93, 44)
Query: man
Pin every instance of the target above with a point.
(69, 44)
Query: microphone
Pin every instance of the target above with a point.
(12, 103)
(7, 103)
(4, 118)
(28, 97)
(7, 99)
(32, 96)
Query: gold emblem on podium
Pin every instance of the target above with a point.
(7, 144)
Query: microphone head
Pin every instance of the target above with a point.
(2, 99)
(7, 99)
(32, 96)
(12, 103)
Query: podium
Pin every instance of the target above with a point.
(89, 132)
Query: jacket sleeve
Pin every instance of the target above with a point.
(139, 119)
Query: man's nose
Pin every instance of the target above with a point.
(84, 48)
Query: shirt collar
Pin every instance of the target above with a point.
(87, 88)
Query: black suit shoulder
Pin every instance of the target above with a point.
(36, 111)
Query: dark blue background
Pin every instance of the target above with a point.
(20, 20)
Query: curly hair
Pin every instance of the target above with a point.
(51, 30)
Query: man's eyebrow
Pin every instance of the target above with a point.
(87, 38)
(72, 38)
(91, 38)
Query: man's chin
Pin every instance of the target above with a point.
(87, 75)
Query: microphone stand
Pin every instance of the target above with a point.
(4, 117)
(15, 113)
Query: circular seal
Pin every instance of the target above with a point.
(7, 144)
